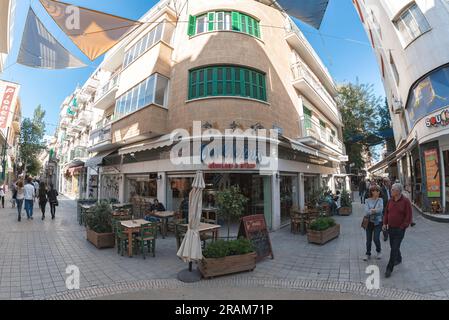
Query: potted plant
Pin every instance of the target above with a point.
(231, 204)
(346, 204)
(99, 226)
(322, 230)
(226, 257)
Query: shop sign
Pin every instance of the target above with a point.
(8, 92)
(441, 119)
(432, 173)
(232, 166)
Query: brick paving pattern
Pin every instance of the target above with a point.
(34, 256)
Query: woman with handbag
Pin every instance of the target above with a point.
(373, 221)
(53, 199)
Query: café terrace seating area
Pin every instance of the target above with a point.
(137, 228)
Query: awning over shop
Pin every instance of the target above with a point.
(298, 146)
(98, 158)
(149, 144)
(398, 154)
(76, 163)
(75, 170)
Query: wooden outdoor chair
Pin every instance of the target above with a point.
(147, 238)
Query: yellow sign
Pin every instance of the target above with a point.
(432, 173)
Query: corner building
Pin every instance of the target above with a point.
(228, 64)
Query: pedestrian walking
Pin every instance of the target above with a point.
(397, 219)
(36, 189)
(362, 190)
(386, 196)
(20, 196)
(2, 194)
(30, 194)
(52, 196)
(14, 194)
(374, 211)
(42, 198)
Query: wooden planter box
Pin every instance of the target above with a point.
(345, 211)
(213, 267)
(100, 240)
(322, 237)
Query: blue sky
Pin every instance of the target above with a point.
(341, 43)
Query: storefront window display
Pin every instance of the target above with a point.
(256, 188)
(311, 185)
(289, 196)
(142, 186)
(110, 186)
(429, 95)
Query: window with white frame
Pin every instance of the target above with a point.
(411, 23)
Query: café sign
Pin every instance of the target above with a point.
(441, 119)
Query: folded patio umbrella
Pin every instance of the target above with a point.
(92, 31)
(190, 249)
(39, 49)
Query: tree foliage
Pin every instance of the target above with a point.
(31, 140)
(359, 108)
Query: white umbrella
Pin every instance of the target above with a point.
(190, 249)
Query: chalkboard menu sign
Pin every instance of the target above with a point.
(255, 229)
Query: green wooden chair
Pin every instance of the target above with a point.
(121, 238)
(147, 237)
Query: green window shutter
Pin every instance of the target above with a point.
(256, 29)
(192, 26)
(322, 124)
(235, 21)
(307, 111)
(211, 20)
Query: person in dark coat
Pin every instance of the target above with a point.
(52, 195)
(42, 195)
(386, 195)
(362, 190)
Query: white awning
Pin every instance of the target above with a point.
(98, 158)
(149, 144)
(396, 155)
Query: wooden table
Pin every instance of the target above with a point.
(121, 205)
(164, 216)
(208, 213)
(132, 226)
(204, 228)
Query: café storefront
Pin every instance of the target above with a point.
(149, 173)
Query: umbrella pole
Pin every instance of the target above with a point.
(190, 266)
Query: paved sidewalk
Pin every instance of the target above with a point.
(34, 256)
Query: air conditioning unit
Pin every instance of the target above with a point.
(398, 107)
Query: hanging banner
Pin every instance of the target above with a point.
(93, 32)
(8, 94)
(432, 173)
(39, 49)
(308, 11)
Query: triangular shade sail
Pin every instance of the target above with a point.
(93, 32)
(309, 11)
(39, 49)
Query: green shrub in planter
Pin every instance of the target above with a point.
(221, 248)
(345, 199)
(99, 218)
(322, 223)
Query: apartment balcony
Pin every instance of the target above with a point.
(83, 118)
(100, 139)
(314, 135)
(79, 153)
(306, 82)
(16, 126)
(297, 41)
(106, 94)
(145, 123)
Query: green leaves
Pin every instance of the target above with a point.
(221, 248)
(31, 140)
(231, 202)
(345, 199)
(321, 224)
(99, 219)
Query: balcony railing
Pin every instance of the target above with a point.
(100, 135)
(79, 153)
(301, 71)
(108, 86)
(311, 128)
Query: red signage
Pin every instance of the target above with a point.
(232, 166)
(5, 107)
